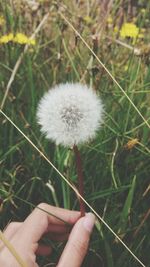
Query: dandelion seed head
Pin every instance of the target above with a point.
(70, 114)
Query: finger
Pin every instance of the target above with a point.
(37, 223)
(77, 245)
(11, 229)
(43, 250)
(58, 216)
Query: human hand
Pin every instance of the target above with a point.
(25, 236)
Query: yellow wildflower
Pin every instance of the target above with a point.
(2, 20)
(21, 38)
(88, 19)
(116, 29)
(31, 41)
(131, 143)
(110, 20)
(6, 38)
(129, 30)
(126, 67)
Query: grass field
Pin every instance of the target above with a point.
(116, 163)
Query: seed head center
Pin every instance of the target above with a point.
(71, 116)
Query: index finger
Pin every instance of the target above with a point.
(38, 221)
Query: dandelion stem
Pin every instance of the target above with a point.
(80, 179)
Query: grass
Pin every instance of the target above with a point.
(116, 176)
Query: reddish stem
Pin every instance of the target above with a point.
(80, 179)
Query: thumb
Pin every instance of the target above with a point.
(77, 245)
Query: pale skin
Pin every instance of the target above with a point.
(25, 236)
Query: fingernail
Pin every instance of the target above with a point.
(89, 221)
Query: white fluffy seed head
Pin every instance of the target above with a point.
(70, 114)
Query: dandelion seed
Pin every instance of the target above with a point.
(70, 114)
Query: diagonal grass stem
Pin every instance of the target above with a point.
(12, 250)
